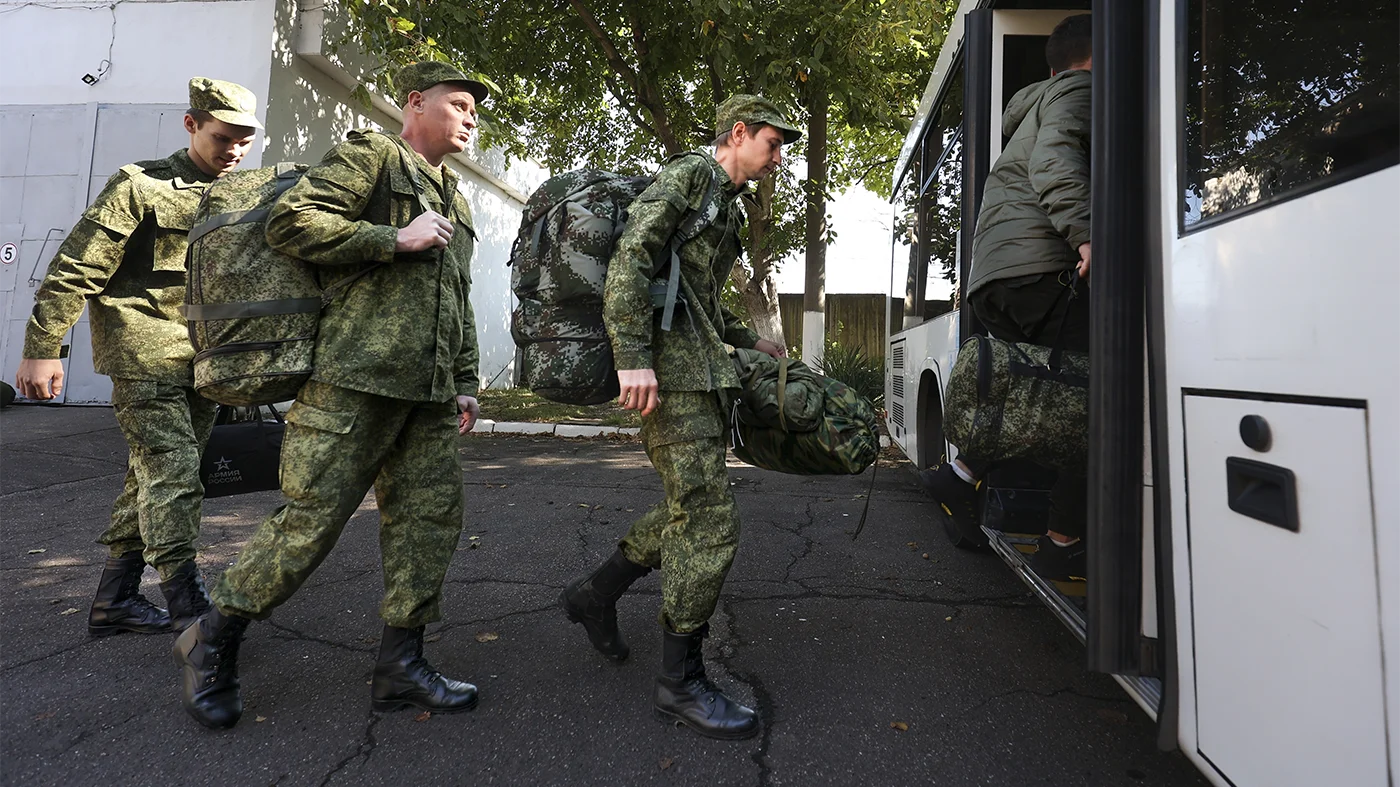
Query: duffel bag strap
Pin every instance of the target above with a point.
(783, 364)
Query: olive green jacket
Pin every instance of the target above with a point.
(691, 356)
(1035, 209)
(125, 260)
(405, 329)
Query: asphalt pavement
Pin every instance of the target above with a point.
(891, 660)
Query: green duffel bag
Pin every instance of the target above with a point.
(780, 394)
(1019, 401)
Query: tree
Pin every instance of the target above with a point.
(620, 83)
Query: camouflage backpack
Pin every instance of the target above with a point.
(1019, 401)
(252, 311)
(790, 419)
(559, 264)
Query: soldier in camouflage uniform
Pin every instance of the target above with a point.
(394, 383)
(125, 260)
(679, 379)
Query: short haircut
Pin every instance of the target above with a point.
(201, 116)
(1071, 43)
(723, 138)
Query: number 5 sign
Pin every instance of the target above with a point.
(8, 254)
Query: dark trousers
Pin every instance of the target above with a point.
(1037, 309)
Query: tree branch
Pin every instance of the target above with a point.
(629, 106)
(600, 35)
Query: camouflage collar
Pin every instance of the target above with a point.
(185, 171)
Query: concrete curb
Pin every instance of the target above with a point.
(488, 426)
(558, 430)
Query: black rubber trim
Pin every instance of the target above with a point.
(1119, 165)
(978, 125)
(1263, 396)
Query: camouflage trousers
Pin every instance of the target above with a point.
(692, 534)
(338, 443)
(166, 427)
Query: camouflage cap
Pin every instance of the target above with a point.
(749, 109)
(421, 76)
(225, 101)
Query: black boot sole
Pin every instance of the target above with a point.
(575, 617)
(108, 631)
(390, 706)
(671, 718)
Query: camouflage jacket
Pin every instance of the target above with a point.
(125, 259)
(691, 356)
(406, 329)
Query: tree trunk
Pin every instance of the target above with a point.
(755, 282)
(814, 297)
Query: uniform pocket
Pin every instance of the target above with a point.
(173, 223)
(311, 417)
(130, 391)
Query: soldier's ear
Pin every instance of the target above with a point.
(415, 101)
(191, 125)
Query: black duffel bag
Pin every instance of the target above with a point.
(243, 453)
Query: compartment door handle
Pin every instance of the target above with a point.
(1262, 491)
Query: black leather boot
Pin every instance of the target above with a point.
(119, 605)
(403, 678)
(207, 655)
(185, 595)
(592, 601)
(685, 696)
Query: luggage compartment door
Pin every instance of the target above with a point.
(1285, 607)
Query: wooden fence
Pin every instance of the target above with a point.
(854, 320)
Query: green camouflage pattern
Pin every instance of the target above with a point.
(166, 427)
(559, 264)
(424, 74)
(778, 393)
(404, 330)
(691, 356)
(340, 442)
(693, 533)
(226, 101)
(1018, 415)
(844, 442)
(125, 261)
(750, 109)
(249, 361)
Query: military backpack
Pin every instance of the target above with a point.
(790, 419)
(559, 265)
(252, 311)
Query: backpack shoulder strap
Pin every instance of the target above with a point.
(691, 225)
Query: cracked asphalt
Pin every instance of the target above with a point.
(832, 641)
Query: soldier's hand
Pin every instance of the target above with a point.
(428, 231)
(772, 348)
(1083, 265)
(639, 390)
(40, 378)
(467, 411)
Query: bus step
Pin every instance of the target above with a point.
(1065, 599)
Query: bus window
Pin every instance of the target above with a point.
(943, 220)
(1286, 97)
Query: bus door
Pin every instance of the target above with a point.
(1280, 286)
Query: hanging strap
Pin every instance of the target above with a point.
(692, 226)
(869, 493)
(783, 364)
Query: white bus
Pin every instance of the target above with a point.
(1244, 505)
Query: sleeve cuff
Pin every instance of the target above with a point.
(742, 337)
(382, 239)
(632, 359)
(44, 350)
